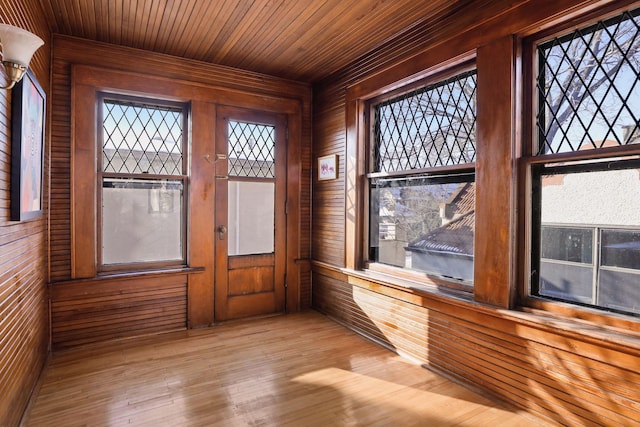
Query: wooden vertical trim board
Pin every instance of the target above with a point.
(221, 260)
(83, 180)
(201, 213)
(294, 233)
(495, 174)
(353, 191)
(282, 263)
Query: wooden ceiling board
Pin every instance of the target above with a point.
(304, 40)
(192, 11)
(298, 27)
(244, 19)
(298, 19)
(352, 47)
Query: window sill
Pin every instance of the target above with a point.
(413, 278)
(152, 272)
(431, 286)
(585, 320)
(404, 288)
(106, 276)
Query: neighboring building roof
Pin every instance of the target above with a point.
(463, 199)
(456, 236)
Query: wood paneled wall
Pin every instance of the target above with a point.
(522, 358)
(79, 316)
(91, 311)
(329, 137)
(24, 322)
(69, 50)
(573, 374)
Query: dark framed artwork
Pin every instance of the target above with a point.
(27, 148)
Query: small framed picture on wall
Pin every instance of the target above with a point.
(328, 167)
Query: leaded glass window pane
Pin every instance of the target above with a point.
(430, 127)
(251, 150)
(589, 87)
(141, 138)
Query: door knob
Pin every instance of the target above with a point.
(222, 230)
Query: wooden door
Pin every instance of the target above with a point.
(250, 218)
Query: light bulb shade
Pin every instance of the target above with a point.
(18, 45)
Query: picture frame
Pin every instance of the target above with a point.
(328, 167)
(28, 110)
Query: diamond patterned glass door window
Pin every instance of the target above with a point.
(251, 150)
(589, 87)
(431, 127)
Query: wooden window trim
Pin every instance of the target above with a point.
(102, 97)
(391, 271)
(570, 313)
(117, 275)
(401, 277)
(89, 86)
(497, 131)
(566, 312)
(359, 101)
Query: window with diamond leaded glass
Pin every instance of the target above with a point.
(585, 167)
(142, 176)
(421, 179)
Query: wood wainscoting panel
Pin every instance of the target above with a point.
(567, 377)
(87, 311)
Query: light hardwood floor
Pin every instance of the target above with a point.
(293, 370)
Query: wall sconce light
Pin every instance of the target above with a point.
(18, 46)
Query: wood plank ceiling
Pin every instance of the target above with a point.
(305, 40)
